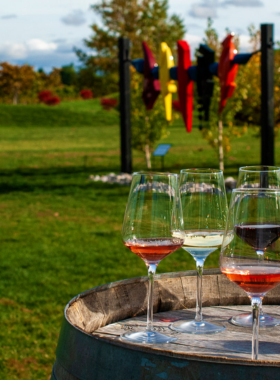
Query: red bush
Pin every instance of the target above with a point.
(86, 94)
(108, 103)
(44, 95)
(176, 105)
(52, 101)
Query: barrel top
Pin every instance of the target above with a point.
(231, 345)
(106, 312)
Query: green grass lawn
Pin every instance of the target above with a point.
(60, 231)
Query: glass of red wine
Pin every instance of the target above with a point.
(259, 176)
(204, 205)
(153, 213)
(250, 254)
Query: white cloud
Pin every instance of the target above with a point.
(202, 11)
(38, 45)
(208, 8)
(12, 50)
(244, 3)
(75, 18)
(15, 50)
(39, 53)
(8, 16)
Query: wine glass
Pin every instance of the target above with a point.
(250, 254)
(260, 176)
(153, 213)
(204, 205)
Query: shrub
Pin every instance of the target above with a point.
(67, 93)
(86, 94)
(108, 103)
(44, 95)
(52, 101)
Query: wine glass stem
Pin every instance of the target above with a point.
(199, 268)
(261, 309)
(151, 272)
(256, 304)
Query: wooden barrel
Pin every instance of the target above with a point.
(89, 347)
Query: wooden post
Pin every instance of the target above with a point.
(221, 149)
(267, 100)
(125, 123)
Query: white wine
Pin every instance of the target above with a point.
(203, 238)
(200, 243)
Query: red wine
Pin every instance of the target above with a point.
(255, 280)
(153, 250)
(258, 236)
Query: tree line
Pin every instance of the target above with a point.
(22, 84)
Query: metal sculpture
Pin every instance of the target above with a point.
(151, 86)
(227, 71)
(167, 85)
(162, 78)
(204, 80)
(185, 83)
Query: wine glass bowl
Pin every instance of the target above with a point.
(153, 213)
(250, 254)
(204, 206)
(260, 176)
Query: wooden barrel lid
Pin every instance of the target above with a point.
(100, 313)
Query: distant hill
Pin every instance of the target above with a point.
(67, 114)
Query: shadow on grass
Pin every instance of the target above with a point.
(67, 178)
(54, 178)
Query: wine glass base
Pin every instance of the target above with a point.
(147, 337)
(195, 327)
(245, 320)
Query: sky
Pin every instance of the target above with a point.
(44, 33)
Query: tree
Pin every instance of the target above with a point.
(213, 131)
(15, 79)
(99, 84)
(136, 19)
(52, 80)
(68, 75)
(147, 126)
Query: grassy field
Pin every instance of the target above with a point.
(60, 232)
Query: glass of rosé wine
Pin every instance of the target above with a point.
(259, 176)
(153, 213)
(250, 253)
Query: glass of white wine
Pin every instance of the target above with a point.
(204, 206)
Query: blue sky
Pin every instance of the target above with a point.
(43, 33)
